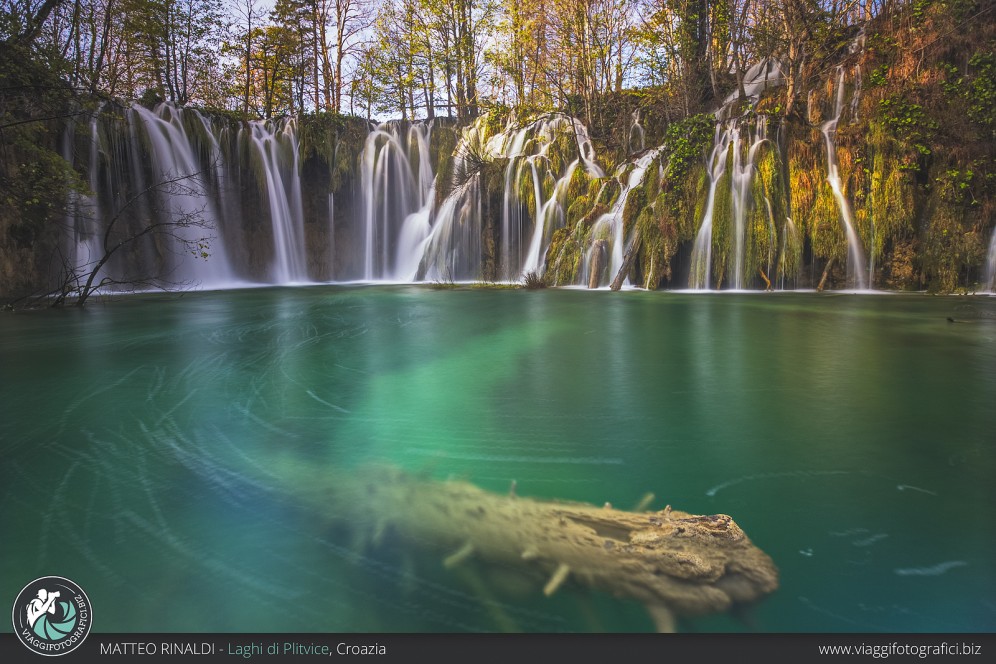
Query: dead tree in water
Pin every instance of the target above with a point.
(80, 280)
(675, 564)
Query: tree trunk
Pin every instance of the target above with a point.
(34, 24)
(326, 69)
(674, 563)
(597, 264)
(248, 87)
(315, 59)
(826, 274)
(628, 258)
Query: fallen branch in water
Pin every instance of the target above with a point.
(676, 564)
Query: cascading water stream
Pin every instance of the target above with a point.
(757, 79)
(550, 217)
(174, 160)
(200, 182)
(452, 248)
(700, 273)
(277, 149)
(396, 189)
(610, 225)
(990, 272)
(636, 134)
(417, 226)
(743, 175)
(395, 229)
(855, 252)
(528, 148)
(83, 210)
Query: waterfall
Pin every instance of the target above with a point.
(700, 273)
(446, 244)
(277, 150)
(417, 225)
(727, 141)
(452, 250)
(84, 246)
(396, 180)
(855, 252)
(609, 226)
(198, 202)
(174, 161)
(990, 283)
(449, 246)
(743, 175)
(528, 150)
(856, 46)
(636, 134)
(758, 78)
(243, 179)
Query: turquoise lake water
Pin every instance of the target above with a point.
(853, 438)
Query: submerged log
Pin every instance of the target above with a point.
(676, 564)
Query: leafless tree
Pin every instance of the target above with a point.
(80, 280)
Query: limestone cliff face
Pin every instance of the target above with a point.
(876, 173)
(904, 109)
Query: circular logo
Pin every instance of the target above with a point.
(52, 615)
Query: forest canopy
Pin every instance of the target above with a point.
(425, 58)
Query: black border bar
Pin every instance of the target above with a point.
(514, 648)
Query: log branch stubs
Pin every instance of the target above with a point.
(676, 564)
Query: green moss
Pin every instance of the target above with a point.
(652, 180)
(525, 190)
(609, 192)
(815, 210)
(722, 222)
(318, 135)
(562, 152)
(494, 119)
(335, 141)
(950, 248)
(659, 244)
(686, 201)
(761, 233)
(547, 185)
(686, 142)
(442, 142)
(765, 220)
(593, 215)
(578, 208)
(566, 253)
(891, 202)
(636, 201)
(578, 184)
(595, 187)
(684, 185)
(910, 124)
